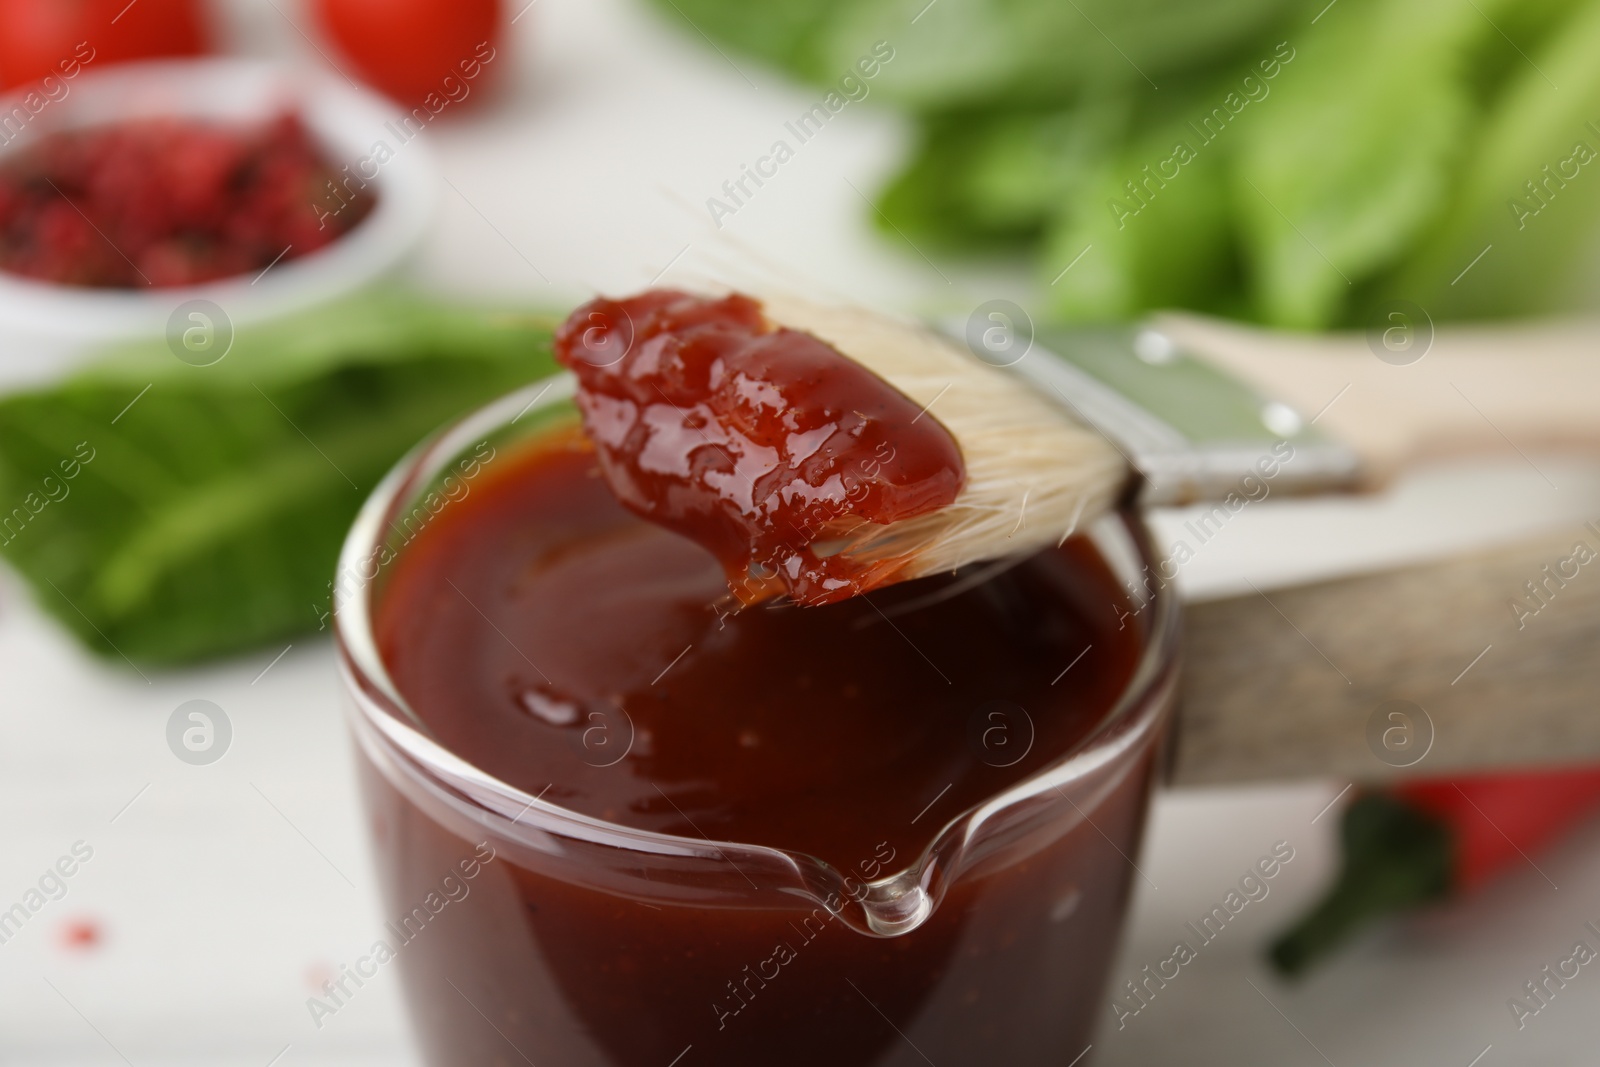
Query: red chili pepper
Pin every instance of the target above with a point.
(1422, 841)
(1496, 815)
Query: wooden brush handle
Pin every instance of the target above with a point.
(1286, 685)
(1472, 389)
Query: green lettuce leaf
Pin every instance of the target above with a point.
(1116, 253)
(785, 33)
(992, 179)
(165, 512)
(1383, 160)
(1502, 248)
(1354, 155)
(963, 52)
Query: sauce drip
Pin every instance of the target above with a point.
(763, 444)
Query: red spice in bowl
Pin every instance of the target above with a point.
(170, 202)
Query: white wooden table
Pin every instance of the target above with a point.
(221, 896)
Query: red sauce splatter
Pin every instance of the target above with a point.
(164, 202)
(80, 934)
(764, 444)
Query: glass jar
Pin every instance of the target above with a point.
(527, 932)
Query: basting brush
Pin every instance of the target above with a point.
(1181, 410)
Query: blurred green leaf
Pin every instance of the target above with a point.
(787, 33)
(964, 53)
(208, 515)
(1148, 232)
(1353, 155)
(1536, 244)
(1520, 28)
(1375, 165)
(985, 179)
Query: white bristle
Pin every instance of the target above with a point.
(1034, 473)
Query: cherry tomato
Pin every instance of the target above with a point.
(410, 49)
(43, 37)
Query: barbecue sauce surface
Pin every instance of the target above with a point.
(545, 633)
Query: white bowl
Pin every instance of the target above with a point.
(42, 324)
